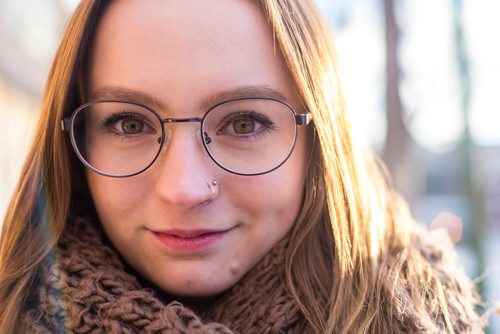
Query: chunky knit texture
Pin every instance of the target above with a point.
(85, 289)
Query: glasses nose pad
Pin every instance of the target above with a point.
(168, 136)
(206, 138)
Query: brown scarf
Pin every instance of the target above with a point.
(84, 288)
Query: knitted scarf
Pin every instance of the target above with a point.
(83, 287)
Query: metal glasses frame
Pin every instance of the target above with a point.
(68, 123)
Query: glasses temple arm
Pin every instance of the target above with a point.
(66, 124)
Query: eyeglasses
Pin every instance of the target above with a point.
(246, 136)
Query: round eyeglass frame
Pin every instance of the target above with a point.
(68, 123)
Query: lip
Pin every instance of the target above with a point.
(187, 241)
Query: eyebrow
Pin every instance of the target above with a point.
(243, 92)
(125, 94)
(132, 95)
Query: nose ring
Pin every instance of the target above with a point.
(212, 186)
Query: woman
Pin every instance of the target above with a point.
(188, 190)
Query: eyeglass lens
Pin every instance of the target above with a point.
(247, 136)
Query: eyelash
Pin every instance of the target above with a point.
(110, 121)
(266, 125)
(264, 121)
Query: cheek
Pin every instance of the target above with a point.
(276, 195)
(268, 198)
(269, 204)
(116, 197)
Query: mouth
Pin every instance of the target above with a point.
(186, 241)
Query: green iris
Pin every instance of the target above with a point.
(132, 126)
(243, 126)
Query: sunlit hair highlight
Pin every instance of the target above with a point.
(341, 205)
(37, 213)
(355, 263)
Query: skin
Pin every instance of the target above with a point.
(182, 54)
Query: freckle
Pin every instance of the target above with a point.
(234, 268)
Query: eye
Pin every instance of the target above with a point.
(132, 126)
(245, 124)
(128, 124)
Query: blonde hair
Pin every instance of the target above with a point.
(375, 275)
(343, 234)
(345, 203)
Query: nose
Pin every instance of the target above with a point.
(185, 170)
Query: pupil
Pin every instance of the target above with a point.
(243, 126)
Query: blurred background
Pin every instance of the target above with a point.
(421, 84)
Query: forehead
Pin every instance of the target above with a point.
(182, 48)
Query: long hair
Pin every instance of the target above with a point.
(49, 181)
(344, 230)
(344, 219)
(357, 262)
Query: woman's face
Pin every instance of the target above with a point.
(181, 54)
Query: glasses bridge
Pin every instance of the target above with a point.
(181, 120)
(245, 136)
